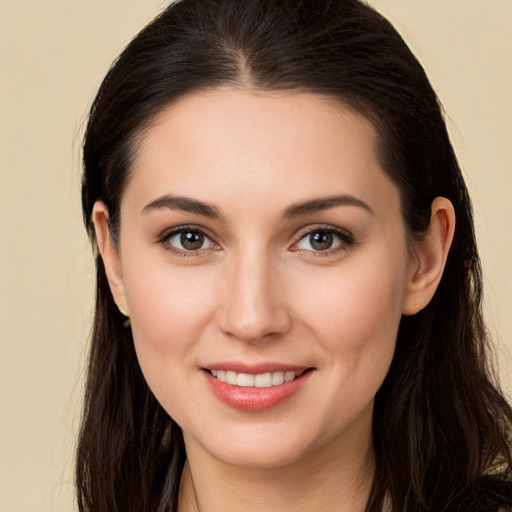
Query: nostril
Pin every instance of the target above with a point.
(260, 324)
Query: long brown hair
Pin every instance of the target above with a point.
(442, 428)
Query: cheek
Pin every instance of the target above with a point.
(358, 305)
(355, 319)
(168, 307)
(169, 313)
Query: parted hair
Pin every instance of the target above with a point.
(441, 425)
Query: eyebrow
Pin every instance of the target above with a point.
(184, 204)
(187, 204)
(324, 203)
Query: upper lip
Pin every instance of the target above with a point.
(256, 368)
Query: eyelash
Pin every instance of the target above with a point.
(346, 240)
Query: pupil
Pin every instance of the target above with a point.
(191, 240)
(321, 240)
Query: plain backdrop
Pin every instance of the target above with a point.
(53, 55)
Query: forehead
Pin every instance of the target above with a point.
(225, 142)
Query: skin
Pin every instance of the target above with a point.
(259, 290)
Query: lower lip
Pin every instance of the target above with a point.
(254, 399)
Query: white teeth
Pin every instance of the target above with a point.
(288, 376)
(231, 378)
(245, 380)
(261, 380)
(277, 378)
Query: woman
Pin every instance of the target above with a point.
(288, 287)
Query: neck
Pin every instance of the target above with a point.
(337, 477)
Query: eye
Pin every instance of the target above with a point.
(325, 240)
(187, 240)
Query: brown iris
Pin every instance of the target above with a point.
(192, 240)
(321, 240)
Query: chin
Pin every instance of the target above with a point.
(254, 457)
(258, 446)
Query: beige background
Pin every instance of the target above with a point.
(52, 57)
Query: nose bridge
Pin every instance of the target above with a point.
(254, 306)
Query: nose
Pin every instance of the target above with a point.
(254, 307)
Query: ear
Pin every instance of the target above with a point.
(429, 257)
(109, 255)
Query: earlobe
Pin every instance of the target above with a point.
(110, 255)
(429, 257)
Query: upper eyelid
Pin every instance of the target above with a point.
(323, 227)
(167, 233)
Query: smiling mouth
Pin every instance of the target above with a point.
(260, 380)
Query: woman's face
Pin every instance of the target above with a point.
(261, 241)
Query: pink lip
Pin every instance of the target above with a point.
(252, 399)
